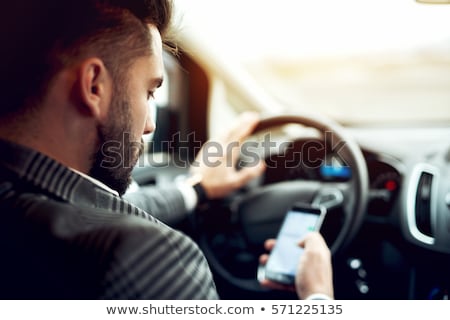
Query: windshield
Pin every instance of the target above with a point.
(360, 62)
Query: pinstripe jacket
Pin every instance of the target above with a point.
(64, 237)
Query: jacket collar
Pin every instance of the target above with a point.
(58, 181)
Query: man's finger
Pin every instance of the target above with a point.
(277, 286)
(269, 244)
(263, 259)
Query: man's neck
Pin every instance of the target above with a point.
(39, 137)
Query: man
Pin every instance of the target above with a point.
(76, 75)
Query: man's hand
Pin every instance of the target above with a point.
(314, 271)
(216, 161)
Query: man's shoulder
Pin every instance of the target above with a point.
(43, 209)
(99, 253)
(92, 228)
(140, 258)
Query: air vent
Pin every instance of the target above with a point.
(423, 204)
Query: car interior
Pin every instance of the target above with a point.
(357, 117)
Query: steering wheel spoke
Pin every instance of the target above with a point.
(329, 197)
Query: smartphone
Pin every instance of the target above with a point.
(283, 260)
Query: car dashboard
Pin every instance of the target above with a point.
(402, 250)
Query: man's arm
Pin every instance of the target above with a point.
(166, 204)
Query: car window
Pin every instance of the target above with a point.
(360, 62)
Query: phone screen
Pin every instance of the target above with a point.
(283, 260)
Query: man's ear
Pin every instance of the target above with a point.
(94, 87)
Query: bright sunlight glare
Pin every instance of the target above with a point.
(289, 28)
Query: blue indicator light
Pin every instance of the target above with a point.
(333, 172)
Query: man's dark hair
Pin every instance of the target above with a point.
(39, 38)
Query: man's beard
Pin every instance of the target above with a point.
(117, 152)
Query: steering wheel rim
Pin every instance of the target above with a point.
(354, 158)
(355, 207)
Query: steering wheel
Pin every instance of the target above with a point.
(257, 213)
